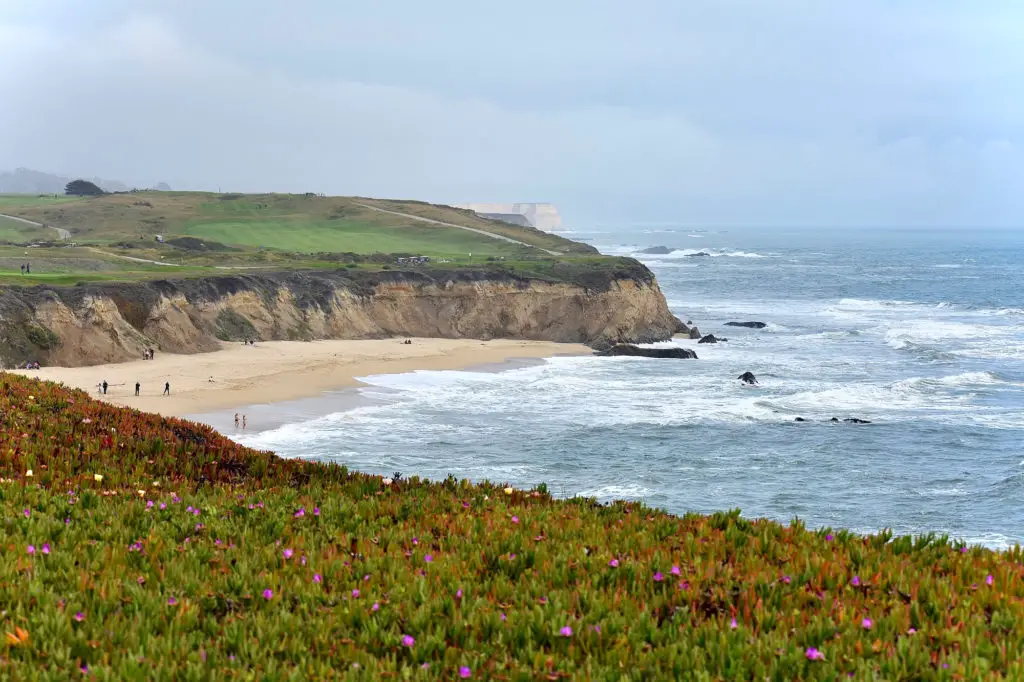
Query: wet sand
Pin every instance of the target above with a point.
(277, 371)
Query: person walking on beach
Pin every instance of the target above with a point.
(236, 420)
(167, 388)
(137, 387)
(243, 422)
(104, 387)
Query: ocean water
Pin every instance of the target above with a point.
(920, 332)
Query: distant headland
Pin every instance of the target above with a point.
(541, 216)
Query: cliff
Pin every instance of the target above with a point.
(93, 324)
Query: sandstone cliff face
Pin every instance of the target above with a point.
(87, 325)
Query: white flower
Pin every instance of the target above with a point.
(142, 493)
(97, 477)
(508, 491)
(29, 473)
(387, 481)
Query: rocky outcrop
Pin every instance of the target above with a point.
(748, 378)
(93, 324)
(748, 325)
(657, 250)
(711, 338)
(636, 351)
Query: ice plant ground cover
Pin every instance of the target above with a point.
(136, 547)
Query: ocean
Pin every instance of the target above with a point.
(920, 332)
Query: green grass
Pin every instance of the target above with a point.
(151, 549)
(18, 232)
(313, 237)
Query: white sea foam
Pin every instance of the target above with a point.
(617, 492)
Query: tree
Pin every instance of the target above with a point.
(83, 188)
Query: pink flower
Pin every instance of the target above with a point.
(989, 580)
(829, 537)
(866, 623)
(856, 581)
(366, 578)
(45, 549)
(658, 577)
(408, 641)
(171, 601)
(614, 563)
(515, 519)
(503, 617)
(79, 616)
(732, 624)
(566, 631)
(596, 628)
(814, 655)
(28, 513)
(428, 558)
(458, 593)
(316, 511)
(465, 672)
(786, 579)
(300, 513)
(31, 549)
(287, 553)
(268, 594)
(911, 631)
(675, 571)
(375, 607)
(317, 579)
(355, 594)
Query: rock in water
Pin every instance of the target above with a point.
(694, 333)
(855, 420)
(657, 250)
(748, 325)
(699, 254)
(637, 351)
(710, 338)
(748, 378)
(799, 419)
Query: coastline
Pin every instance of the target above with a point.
(279, 371)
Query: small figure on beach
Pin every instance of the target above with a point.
(243, 421)
(104, 385)
(28, 268)
(23, 268)
(167, 388)
(137, 387)
(236, 420)
(210, 380)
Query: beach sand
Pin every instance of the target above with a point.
(275, 371)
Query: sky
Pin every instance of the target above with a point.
(877, 113)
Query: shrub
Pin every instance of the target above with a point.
(138, 547)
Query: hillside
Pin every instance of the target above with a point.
(27, 181)
(305, 224)
(148, 548)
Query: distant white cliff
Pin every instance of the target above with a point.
(542, 216)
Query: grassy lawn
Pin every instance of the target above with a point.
(357, 237)
(145, 548)
(19, 232)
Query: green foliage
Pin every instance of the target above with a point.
(161, 569)
(83, 188)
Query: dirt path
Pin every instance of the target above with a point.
(461, 227)
(61, 232)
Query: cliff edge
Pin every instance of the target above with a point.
(93, 324)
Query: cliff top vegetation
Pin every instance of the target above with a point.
(138, 547)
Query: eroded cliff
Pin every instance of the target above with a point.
(92, 324)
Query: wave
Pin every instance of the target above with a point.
(963, 380)
(697, 253)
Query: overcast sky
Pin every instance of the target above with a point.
(703, 112)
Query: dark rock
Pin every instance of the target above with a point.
(855, 420)
(699, 254)
(694, 333)
(630, 349)
(681, 328)
(748, 378)
(710, 338)
(657, 250)
(799, 419)
(834, 419)
(748, 325)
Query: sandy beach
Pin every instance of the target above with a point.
(276, 371)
